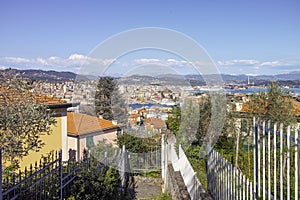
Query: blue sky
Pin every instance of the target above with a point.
(242, 37)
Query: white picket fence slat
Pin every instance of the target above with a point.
(272, 178)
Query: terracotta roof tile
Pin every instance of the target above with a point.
(79, 123)
(157, 123)
(44, 99)
(245, 108)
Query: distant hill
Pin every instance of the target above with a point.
(242, 77)
(37, 74)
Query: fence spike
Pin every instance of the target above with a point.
(20, 175)
(30, 169)
(41, 163)
(14, 178)
(52, 156)
(25, 172)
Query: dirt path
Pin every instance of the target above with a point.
(147, 188)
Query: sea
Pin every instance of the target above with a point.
(229, 91)
(147, 105)
(249, 90)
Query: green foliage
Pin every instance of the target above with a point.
(204, 118)
(22, 121)
(198, 164)
(99, 150)
(152, 174)
(187, 133)
(103, 97)
(195, 119)
(97, 183)
(280, 105)
(109, 102)
(163, 196)
(137, 145)
(275, 105)
(226, 144)
(174, 119)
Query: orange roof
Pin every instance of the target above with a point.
(297, 107)
(245, 108)
(135, 115)
(79, 123)
(157, 123)
(44, 99)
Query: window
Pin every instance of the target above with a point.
(89, 141)
(119, 132)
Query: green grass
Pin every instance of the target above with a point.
(162, 196)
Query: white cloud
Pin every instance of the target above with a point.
(238, 62)
(276, 63)
(42, 61)
(167, 62)
(146, 60)
(88, 65)
(257, 63)
(15, 60)
(71, 63)
(77, 57)
(3, 67)
(258, 67)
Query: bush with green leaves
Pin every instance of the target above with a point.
(98, 183)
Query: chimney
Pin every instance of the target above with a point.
(114, 122)
(100, 116)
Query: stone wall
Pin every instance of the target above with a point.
(175, 185)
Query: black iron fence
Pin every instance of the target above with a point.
(50, 178)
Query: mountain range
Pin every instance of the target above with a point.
(38, 74)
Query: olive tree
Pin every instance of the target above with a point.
(22, 121)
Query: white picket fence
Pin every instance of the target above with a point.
(226, 181)
(271, 176)
(268, 141)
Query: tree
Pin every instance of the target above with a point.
(174, 119)
(275, 105)
(22, 121)
(204, 117)
(109, 102)
(198, 116)
(187, 132)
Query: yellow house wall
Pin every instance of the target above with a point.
(52, 142)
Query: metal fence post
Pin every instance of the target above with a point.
(105, 158)
(0, 174)
(60, 174)
(256, 161)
